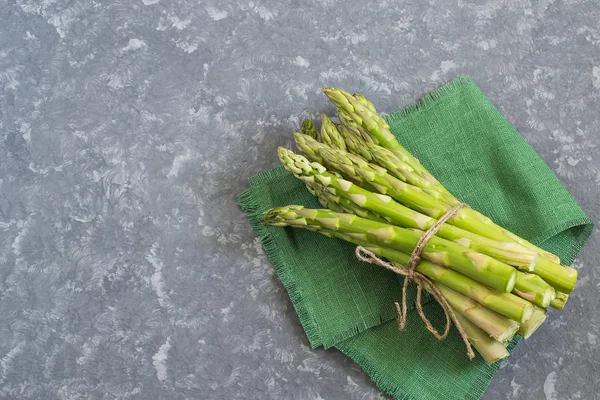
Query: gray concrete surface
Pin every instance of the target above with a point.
(127, 270)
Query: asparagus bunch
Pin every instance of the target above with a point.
(366, 119)
(357, 169)
(379, 196)
(373, 236)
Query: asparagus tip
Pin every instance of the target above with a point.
(308, 128)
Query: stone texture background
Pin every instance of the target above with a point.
(127, 270)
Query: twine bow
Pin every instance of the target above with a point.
(411, 274)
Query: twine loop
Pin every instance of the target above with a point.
(410, 274)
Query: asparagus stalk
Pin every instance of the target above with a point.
(311, 189)
(381, 156)
(480, 267)
(308, 146)
(552, 257)
(560, 277)
(559, 300)
(398, 165)
(508, 339)
(339, 204)
(528, 327)
(331, 205)
(308, 128)
(354, 143)
(496, 325)
(360, 142)
(329, 134)
(380, 204)
(533, 288)
(491, 350)
(348, 122)
(299, 165)
(357, 169)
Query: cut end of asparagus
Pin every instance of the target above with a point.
(559, 300)
(534, 289)
(548, 297)
(511, 282)
(527, 313)
(509, 333)
(532, 324)
(540, 298)
(561, 277)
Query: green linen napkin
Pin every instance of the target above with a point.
(471, 148)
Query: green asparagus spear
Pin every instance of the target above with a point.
(491, 350)
(340, 204)
(395, 165)
(529, 287)
(354, 143)
(363, 116)
(356, 168)
(309, 146)
(506, 304)
(353, 113)
(329, 134)
(496, 325)
(349, 123)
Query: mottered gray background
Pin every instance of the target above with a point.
(127, 270)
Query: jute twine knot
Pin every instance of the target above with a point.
(411, 274)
